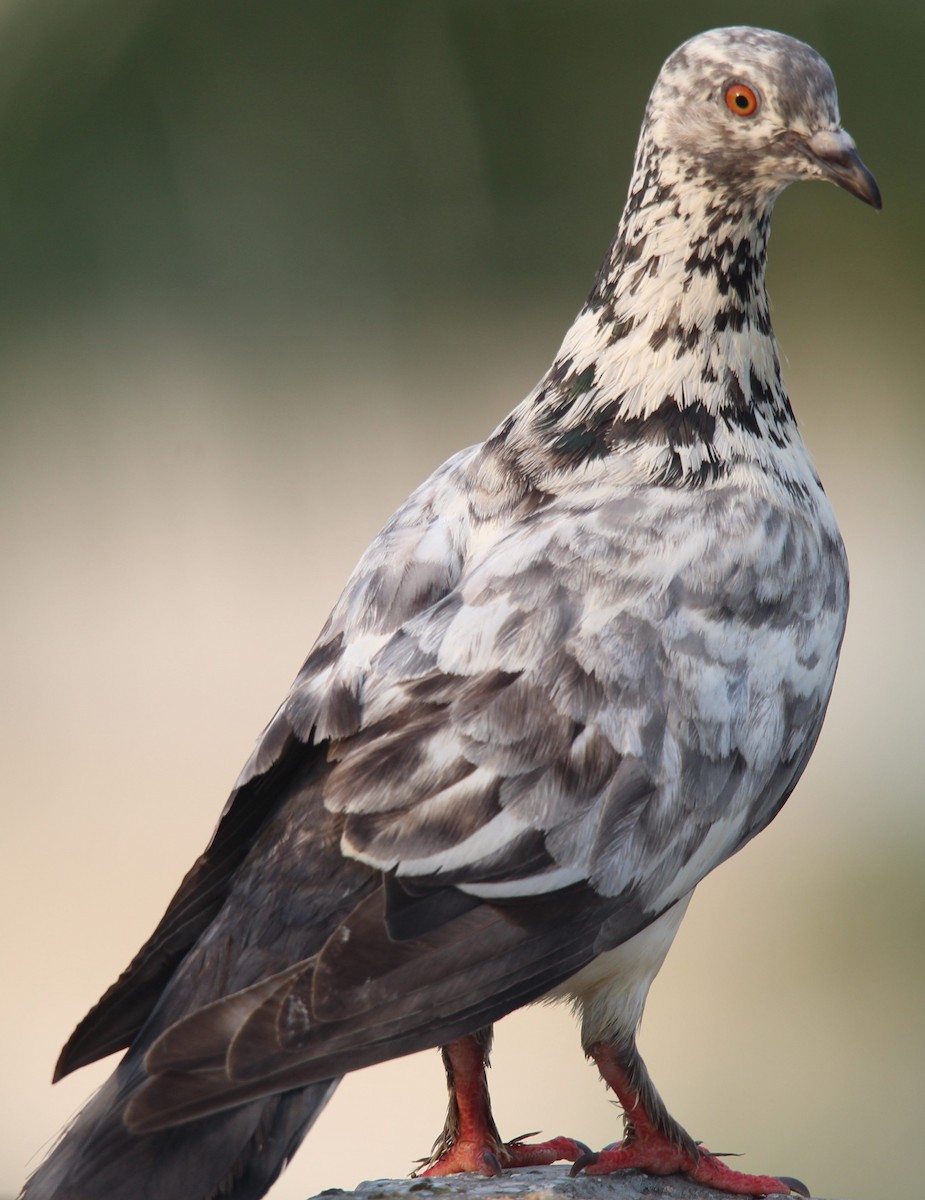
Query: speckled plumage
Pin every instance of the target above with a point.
(584, 663)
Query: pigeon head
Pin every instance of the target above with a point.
(747, 111)
(671, 369)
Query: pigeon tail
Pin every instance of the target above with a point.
(233, 1155)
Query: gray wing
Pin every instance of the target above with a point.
(538, 726)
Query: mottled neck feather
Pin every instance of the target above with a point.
(671, 365)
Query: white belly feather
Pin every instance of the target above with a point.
(609, 993)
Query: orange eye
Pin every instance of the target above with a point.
(741, 100)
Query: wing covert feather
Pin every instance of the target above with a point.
(607, 676)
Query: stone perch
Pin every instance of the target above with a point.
(530, 1183)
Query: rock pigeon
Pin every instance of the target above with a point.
(583, 664)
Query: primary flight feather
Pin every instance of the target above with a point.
(583, 664)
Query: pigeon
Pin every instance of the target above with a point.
(583, 664)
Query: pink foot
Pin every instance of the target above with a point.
(647, 1145)
(656, 1155)
(485, 1158)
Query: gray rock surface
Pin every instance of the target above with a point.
(531, 1183)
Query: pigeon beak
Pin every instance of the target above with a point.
(835, 154)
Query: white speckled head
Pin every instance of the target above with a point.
(750, 111)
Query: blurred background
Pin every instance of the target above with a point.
(263, 268)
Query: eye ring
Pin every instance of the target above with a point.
(741, 99)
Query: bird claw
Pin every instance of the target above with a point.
(489, 1164)
(587, 1159)
(796, 1185)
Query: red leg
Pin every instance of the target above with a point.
(653, 1142)
(470, 1140)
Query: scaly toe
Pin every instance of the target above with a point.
(484, 1159)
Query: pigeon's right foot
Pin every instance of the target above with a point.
(654, 1143)
(656, 1155)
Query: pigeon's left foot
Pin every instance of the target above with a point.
(470, 1141)
(649, 1147)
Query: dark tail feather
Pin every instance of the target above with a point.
(232, 1155)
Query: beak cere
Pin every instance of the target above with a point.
(835, 153)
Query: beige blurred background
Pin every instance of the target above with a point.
(263, 268)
